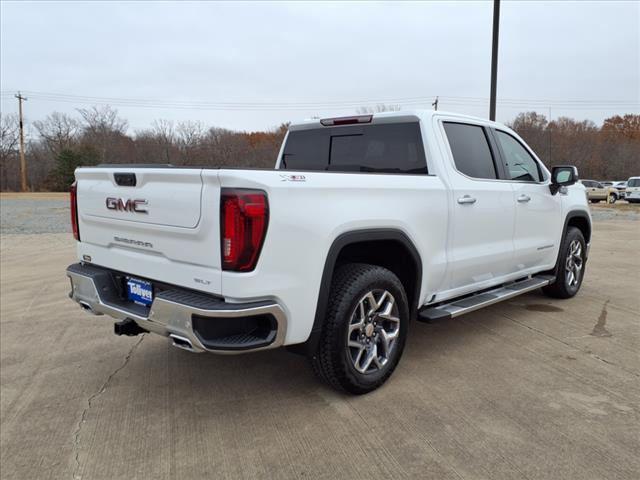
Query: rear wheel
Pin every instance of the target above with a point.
(612, 198)
(571, 266)
(365, 329)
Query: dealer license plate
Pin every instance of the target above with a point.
(140, 291)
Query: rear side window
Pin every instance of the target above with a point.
(519, 163)
(386, 148)
(305, 150)
(470, 149)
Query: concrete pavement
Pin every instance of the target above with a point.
(533, 388)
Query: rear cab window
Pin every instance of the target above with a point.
(375, 148)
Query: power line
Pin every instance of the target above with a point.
(424, 102)
(305, 104)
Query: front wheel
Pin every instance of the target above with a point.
(571, 266)
(365, 329)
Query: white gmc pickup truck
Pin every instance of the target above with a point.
(366, 223)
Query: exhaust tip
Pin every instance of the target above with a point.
(181, 342)
(86, 307)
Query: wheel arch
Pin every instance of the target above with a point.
(581, 220)
(389, 248)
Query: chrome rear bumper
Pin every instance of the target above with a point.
(174, 312)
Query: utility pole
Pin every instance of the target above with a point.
(435, 104)
(494, 59)
(23, 162)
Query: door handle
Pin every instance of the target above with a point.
(524, 198)
(466, 199)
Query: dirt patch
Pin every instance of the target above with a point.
(600, 330)
(34, 195)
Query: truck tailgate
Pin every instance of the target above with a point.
(172, 196)
(166, 227)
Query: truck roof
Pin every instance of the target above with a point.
(391, 117)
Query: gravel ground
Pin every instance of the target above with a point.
(31, 215)
(50, 214)
(618, 211)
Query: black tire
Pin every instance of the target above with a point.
(333, 361)
(562, 288)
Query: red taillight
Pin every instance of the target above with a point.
(73, 196)
(244, 216)
(330, 122)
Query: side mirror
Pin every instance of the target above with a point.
(562, 176)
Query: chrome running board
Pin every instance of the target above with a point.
(460, 306)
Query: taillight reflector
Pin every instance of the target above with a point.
(73, 197)
(244, 216)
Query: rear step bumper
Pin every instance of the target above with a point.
(194, 321)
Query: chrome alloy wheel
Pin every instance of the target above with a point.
(373, 330)
(573, 263)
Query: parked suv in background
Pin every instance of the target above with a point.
(632, 194)
(597, 192)
(365, 224)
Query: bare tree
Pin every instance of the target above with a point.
(9, 137)
(190, 135)
(532, 126)
(59, 131)
(104, 130)
(164, 135)
(103, 119)
(575, 143)
(620, 147)
(626, 126)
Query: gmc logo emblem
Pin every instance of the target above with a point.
(129, 205)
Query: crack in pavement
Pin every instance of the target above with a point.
(101, 390)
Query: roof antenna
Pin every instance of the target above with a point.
(435, 104)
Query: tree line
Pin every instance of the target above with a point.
(607, 152)
(98, 135)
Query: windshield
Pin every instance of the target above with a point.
(634, 182)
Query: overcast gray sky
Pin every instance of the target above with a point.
(254, 65)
